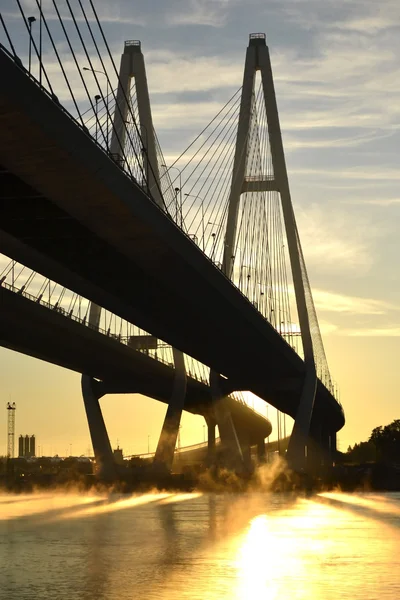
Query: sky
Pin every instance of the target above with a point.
(337, 77)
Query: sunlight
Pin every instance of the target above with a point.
(274, 551)
(373, 502)
(42, 505)
(181, 497)
(113, 506)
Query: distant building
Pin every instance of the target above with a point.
(32, 446)
(21, 446)
(26, 446)
(118, 456)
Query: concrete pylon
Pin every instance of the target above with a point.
(164, 455)
(257, 59)
(132, 66)
(231, 448)
(261, 452)
(211, 424)
(105, 465)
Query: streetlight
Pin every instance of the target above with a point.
(202, 213)
(107, 92)
(177, 190)
(31, 20)
(213, 246)
(148, 444)
(96, 99)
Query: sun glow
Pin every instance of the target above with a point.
(274, 550)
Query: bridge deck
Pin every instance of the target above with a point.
(38, 331)
(70, 213)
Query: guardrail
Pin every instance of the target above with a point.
(117, 338)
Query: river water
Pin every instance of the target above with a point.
(200, 546)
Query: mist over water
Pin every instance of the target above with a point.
(94, 546)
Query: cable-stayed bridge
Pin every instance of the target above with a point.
(204, 254)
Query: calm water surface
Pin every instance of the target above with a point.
(209, 547)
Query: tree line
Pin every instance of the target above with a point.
(383, 445)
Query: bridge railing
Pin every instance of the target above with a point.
(181, 450)
(190, 363)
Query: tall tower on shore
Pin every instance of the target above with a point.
(11, 408)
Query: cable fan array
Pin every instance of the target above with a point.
(200, 204)
(260, 261)
(259, 266)
(88, 72)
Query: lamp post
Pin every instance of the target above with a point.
(96, 99)
(107, 94)
(177, 190)
(213, 235)
(31, 20)
(202, 215)
(148, 444)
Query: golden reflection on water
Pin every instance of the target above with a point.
(165, 546)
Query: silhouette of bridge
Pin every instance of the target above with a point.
(88, 202)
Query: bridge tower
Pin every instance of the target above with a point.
(132, 66)
(258, 59)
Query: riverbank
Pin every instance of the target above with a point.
(273, 478)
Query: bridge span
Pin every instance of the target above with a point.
(68, 211)
(97, 215)
(35, 328)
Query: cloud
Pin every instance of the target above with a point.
(373, 201)
(200, 12)
(327, 328)
(333, 302)
(332, 243)
(363, 173)
(378, 332)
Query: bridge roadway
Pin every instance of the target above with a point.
(69, 212)
(32, 328)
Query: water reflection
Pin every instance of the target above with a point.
(166, 546)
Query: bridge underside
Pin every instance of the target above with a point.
(34, 330)
(70, 213)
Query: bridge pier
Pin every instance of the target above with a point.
(328, 441)
(232, 451)
(211, 424)
(245, 445)
(333, 446)
(261, 453)
(321, 448)
(105, 465)
(164, 456)
(314, 449)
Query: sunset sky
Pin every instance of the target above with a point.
(337, 78)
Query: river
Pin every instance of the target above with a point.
(166, 546)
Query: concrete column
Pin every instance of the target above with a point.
(334, 446)
(243, 435)
(105, 464)
(314, 449)
(326, 449)
(296, 453)
(210, 441)
(118, 134)
(164, 456)
(261, 453)
(229, 439)
(239, 165)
